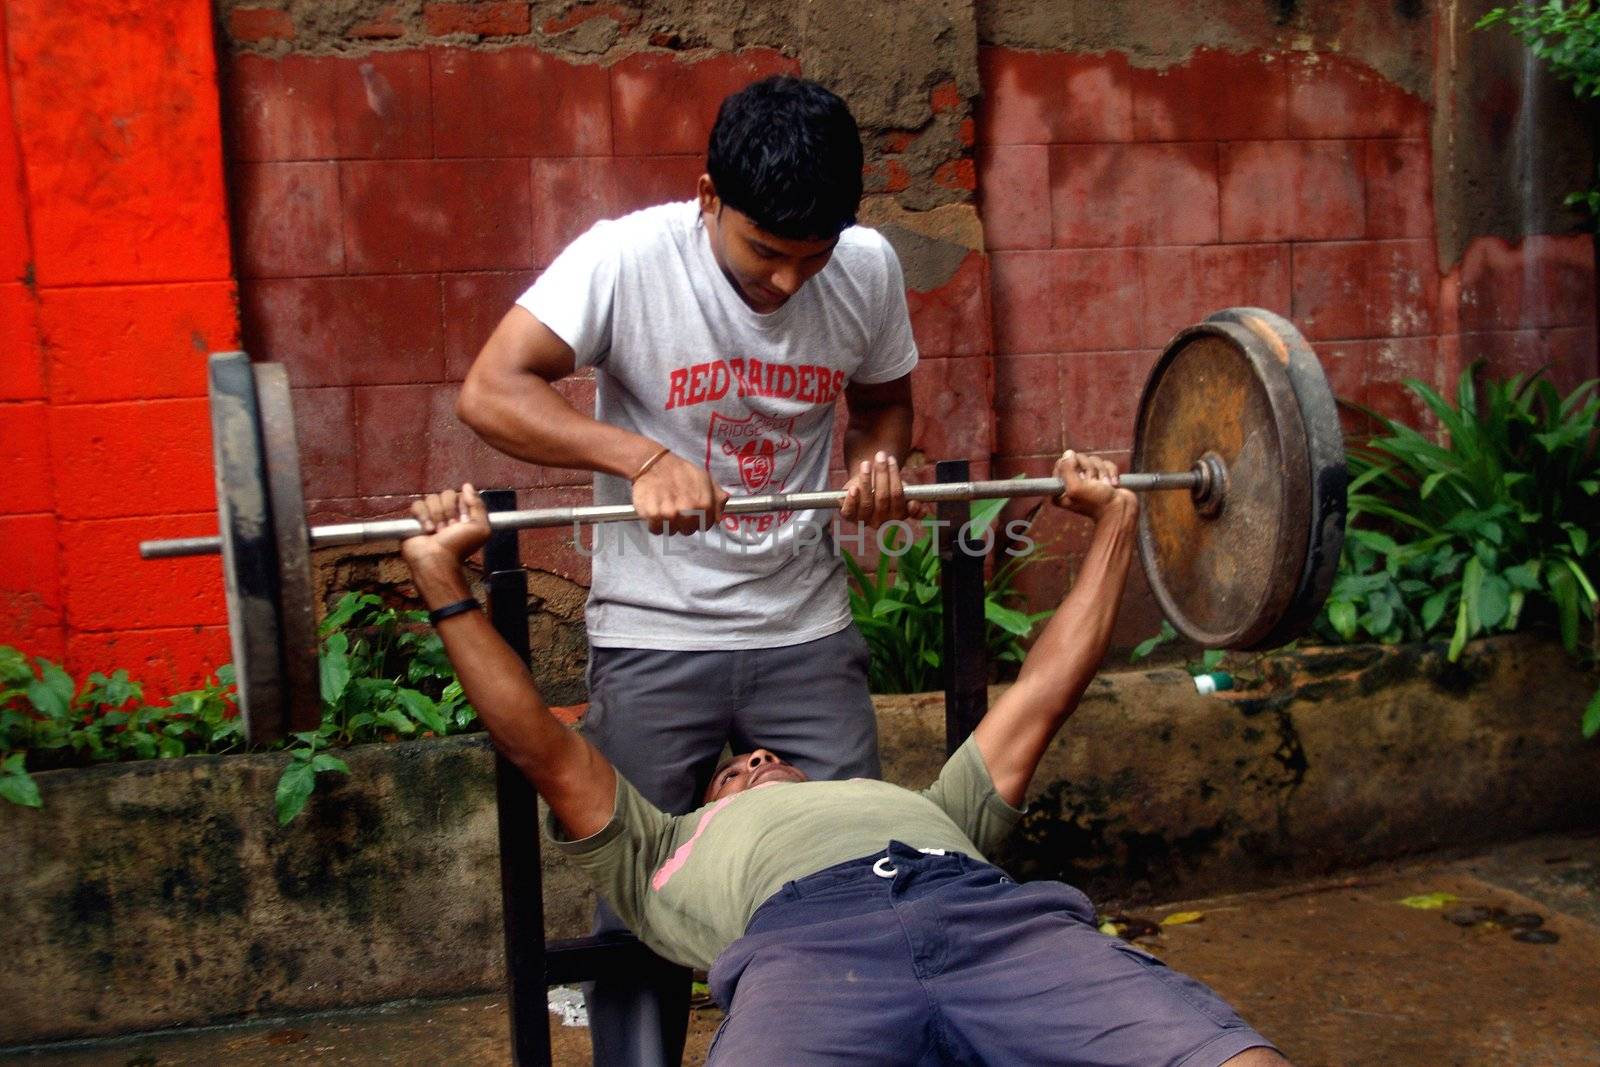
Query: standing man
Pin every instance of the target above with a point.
(722, 331)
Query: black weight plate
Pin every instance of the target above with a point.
(297, 613)
(1325, 453)
(249, 548)
(1223, 580)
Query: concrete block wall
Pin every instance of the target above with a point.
(389, 207)
(1136, 174)
(115, 280)
(1066, 184)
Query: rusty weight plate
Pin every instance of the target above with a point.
(1329, 475)
(249, 548)
(297, 614)
(1224, 580)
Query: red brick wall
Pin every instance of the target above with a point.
(114, 283)
(1121, 204)
(390, 207)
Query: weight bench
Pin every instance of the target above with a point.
(533, 964)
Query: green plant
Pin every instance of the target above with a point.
(899, 611)
(47, 720)
(1488, 532)
(1210, 659)
(1566, 35)
(384, 675)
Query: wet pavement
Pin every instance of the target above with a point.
(1503, 968)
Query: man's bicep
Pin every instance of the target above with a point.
(523, 344)
(873, 396)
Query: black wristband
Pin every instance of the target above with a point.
(456, 607)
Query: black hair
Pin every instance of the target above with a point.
(787, 153)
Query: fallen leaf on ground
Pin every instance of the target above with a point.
(1429, 901)
(1179, 918)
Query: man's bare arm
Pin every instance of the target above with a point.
(578, 783)
(876, 440)
(880, 420)
(1013, 736)
(509, 401)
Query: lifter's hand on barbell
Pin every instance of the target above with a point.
(454, 524)
(876, 494)
(677, 496)
(1091, 484)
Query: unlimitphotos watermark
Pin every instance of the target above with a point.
(747, 538)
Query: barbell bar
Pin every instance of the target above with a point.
(1236, 410)
(1197, 479)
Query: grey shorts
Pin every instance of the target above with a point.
(662, 717)
(906, 959)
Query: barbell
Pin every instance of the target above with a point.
(1236, 411)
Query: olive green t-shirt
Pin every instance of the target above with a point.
(688, 884)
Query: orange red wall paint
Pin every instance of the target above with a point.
(385, 208)
(115, 281)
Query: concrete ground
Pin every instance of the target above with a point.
(1340, 973)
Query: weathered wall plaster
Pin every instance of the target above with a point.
(162, 893)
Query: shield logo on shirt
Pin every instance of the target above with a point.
(763, 447)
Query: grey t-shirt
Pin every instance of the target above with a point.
(688, 884)
(681, 359)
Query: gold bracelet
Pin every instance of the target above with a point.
(651, 462)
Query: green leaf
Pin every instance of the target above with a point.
(1579, 538)
(14, 668)
(1432, 482)
(51, 693)
(294, 789)
(323, 761)
(1591, 716)
(422, 709)
(1379, 617)
(1493, 601)
(1012, 622)
(982, 513)
(1564, 591)
(346, 609)
(1150, 644)
(16, 785)
(1342, 614)
(1458, 639)
(1524, 576)
(334, 667)
(1433, 609)
(394, 718)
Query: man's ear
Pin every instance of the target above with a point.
(706, 193)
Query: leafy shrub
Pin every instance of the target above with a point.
(1492, 531)
(384, 676)
(899, 611)
(47, 721)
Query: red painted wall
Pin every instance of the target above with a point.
(391, 206)
(114, 283)
(387, 207)
(1121, 204)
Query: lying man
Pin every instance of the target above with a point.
(855, 921)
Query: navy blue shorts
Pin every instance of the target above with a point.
(915, 959)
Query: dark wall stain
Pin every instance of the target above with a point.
(1072, 834)
(1283, 11)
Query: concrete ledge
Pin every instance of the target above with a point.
(158, 894)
